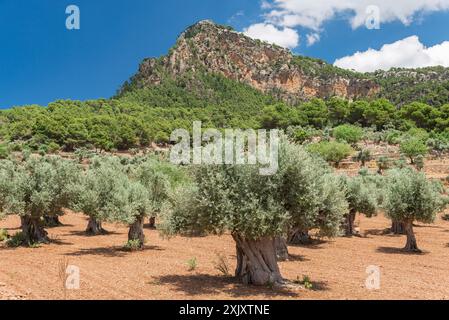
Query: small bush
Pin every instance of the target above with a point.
(17, 147)
(419, 162)
(401, 163)
(306, 282)
(53, 147)
(348, 133)
(43, 150)
(222, 265)
(133, 245)
(3, 235)
(364, 172)
(4, 151)
(192, 264)
(331, 151)
(17, 240)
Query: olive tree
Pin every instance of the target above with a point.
(363, 157)
(235, 199)
(412, 148)
(99, 185)
(361, 195)
(144, 195)
(383, 163)
(67, 174)
(257, 210)
(158, 177)
(36, 188)
(310, 193)
(130, 205)
(411, 197)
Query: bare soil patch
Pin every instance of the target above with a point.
(336, 267)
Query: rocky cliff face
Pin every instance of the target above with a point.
(271, 69)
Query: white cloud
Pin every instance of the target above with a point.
(285, 37)
(312, 38)
(265, 4)
(313, 13)
(406, 53)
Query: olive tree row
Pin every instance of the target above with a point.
(117, 190)
(109, 189)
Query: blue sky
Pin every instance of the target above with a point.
(41, 61)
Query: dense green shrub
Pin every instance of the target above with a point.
(348, 133)
(3, 235)
(333, 152)
(4, 151)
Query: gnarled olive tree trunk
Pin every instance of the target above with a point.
(299, 236)
(94, 227)
(256, 261)
(52, 221)
(152, 224)
(349, 223)
(33, 231)
(281, 248)
(411, 245)
(136, 231)
(398, 227)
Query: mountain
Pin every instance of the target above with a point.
(210, 48)
(428, 85)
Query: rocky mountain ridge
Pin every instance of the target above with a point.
(211, 48)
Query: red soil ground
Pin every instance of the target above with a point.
(336, 267)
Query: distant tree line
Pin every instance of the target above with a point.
(139, 116)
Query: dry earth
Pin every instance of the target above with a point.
(337, 267)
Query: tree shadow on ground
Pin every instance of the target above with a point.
(110, 252)
(59, 242)
(202, 284)
(390, 250)
(297, 257)
(380, 232)
(313, 244)
(319, 286)
(85, 234)
(427, 226)
(61, 225)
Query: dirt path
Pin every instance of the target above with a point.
(337, 267)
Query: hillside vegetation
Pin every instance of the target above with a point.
(224, 79)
